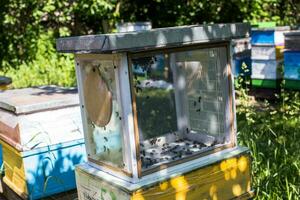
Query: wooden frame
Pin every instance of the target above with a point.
(102, 165)
(229, 104)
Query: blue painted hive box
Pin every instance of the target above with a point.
(292, 65)
(272, 36)
(292, 60)
(41, 139)
(242, 66)
(241, 57)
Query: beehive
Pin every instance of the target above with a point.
(41, 139)
(158, 113)
(267, 56)
(241, 57)
(292, 60)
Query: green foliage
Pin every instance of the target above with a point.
(46, 68)
(28, 23)
(271, 131)
(28, 43)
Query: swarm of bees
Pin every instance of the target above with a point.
(158, 153)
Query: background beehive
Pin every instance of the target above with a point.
(267, 45)
(41, 140)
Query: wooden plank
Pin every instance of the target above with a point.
(226, 179)
(15, 176)
(155, 38)
(163, 174)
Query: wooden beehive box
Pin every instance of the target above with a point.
(267, 55)
(30, 117)
(41, 140)
(158, 114)
(292, 60)
(241, 57)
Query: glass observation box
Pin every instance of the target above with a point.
(156, 102)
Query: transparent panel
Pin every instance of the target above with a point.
(155, 98)
(181, 101)
(103, 113)
(205, 93)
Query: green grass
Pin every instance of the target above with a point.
(272, 132)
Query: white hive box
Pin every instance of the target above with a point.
(38, 117)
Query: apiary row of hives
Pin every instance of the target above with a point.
(267, 56)
(266, 59)
(41, 140)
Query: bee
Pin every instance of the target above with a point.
(117, 113)
(199, 99)
(105, 138)
(92, 124)
(198, 110)
(195, 103)
(147, 83)
(115, 67)
(137, 89)
(120, 118)
(187, 130)
(147, 97)
(153, 141)
(104, 148)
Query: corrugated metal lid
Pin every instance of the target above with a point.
(29, 100)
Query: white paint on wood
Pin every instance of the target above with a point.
(263, 52)
(128, 122)
(42, 128)
(265, 69)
